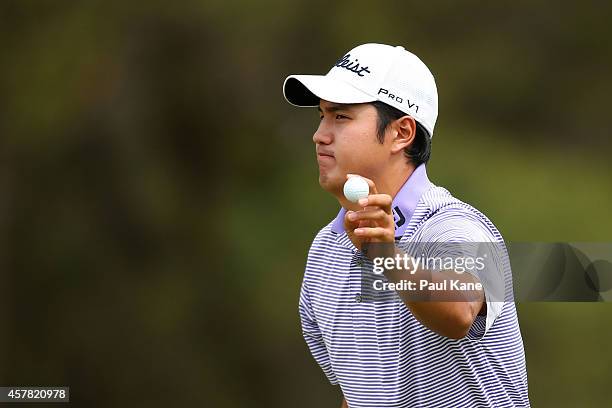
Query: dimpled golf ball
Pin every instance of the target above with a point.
(356, 188)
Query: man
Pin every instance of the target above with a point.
(430, 346)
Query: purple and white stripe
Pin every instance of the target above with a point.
(378, 353)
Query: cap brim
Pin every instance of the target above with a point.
(308, 90)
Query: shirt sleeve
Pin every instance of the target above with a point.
(312, 335)
(460, 234)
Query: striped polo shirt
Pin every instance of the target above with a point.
(378, 353)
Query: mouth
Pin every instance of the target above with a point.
(325, 159)
(322, 154)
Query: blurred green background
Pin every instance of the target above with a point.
(158, 196)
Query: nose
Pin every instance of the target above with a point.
(323, 135)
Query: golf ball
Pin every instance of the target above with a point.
(356, 188)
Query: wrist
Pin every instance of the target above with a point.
(373, 250)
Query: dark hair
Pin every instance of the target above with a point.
(420, 149)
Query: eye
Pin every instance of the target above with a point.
(341, 117)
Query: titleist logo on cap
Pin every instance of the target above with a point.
(352, 66)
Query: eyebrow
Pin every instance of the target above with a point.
(335, 108)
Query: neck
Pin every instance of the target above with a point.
(388, 183)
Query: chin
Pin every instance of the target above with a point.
(330, 184)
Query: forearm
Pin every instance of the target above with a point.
(344, 404)
(448, 319)
(448, 311)
(438, 299)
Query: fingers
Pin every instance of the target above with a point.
(349, 225)
(379, 233)
(375, 222)
(371, 214)
(351, 222)
(377, 200)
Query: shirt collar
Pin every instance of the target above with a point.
(404, 202)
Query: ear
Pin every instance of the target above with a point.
(404, 130)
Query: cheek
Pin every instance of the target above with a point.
(360, 151)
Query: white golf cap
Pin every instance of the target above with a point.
(368, 73)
